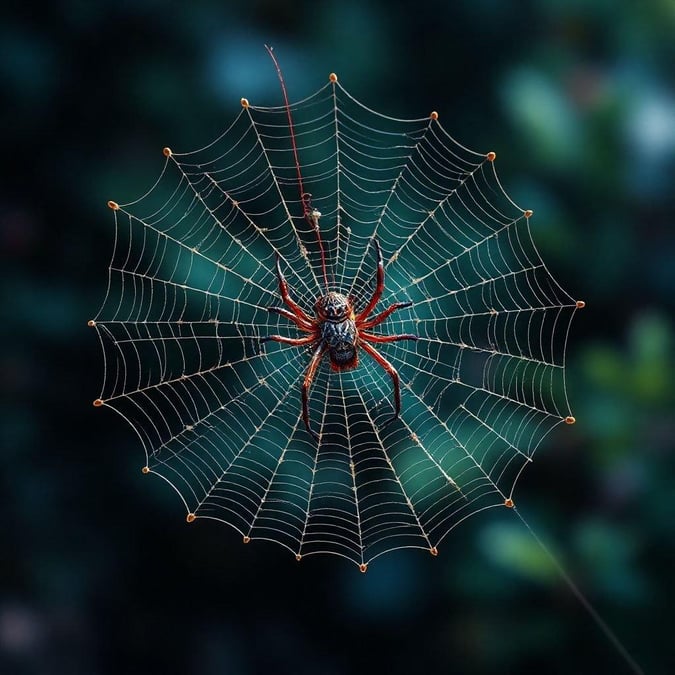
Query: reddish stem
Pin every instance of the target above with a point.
(305, 197)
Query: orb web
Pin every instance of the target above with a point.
(219, 416)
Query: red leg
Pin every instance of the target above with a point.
(286, 297)
(302, 325)
(379, 285)
(370, 337)
(394, 378)
(294, 342)
(309, 377)
(371, 323)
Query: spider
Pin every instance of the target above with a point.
(339, 331)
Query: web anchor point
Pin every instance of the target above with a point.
(167, 152)
(508, 503)
(98, 403)
(91, 323)
(580, 304)
(298, 557)
(528, 213)
(570, 420)
(363, 567)
(145, 470)
(433, 550)
(433, 115)
(190, 518)
(244, 103)
(333, 78)
(113, 205)
(491, 156)
(246, 539)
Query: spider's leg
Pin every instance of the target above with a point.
(371, 337)
(300, 323)
(309, 377)
(294, 342)
(394, 378)
(286, 296)
(379, 285)
(370, 323)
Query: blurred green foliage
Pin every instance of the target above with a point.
(97, 571)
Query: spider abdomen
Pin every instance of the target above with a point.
(340, 338)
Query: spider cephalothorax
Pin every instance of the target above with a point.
(339, 331)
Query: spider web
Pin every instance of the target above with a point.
(219, 417)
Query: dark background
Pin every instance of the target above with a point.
(99, 572)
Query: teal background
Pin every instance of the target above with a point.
(98, 571)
